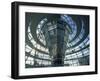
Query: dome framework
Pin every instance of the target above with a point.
(56, 40)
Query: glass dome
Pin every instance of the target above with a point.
(57, 40)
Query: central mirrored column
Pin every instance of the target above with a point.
(56, 33)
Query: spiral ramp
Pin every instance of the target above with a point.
(37, 53)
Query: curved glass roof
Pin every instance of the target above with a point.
(37, 52)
